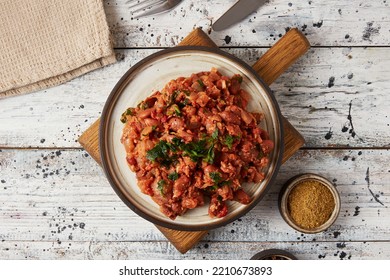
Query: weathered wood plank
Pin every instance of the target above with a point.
(97, 250)
(325, 23)
(57, 204)
(317, 95)
(50, 195)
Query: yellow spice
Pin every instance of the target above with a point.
(310, 204)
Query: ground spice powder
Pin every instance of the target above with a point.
(310, 204)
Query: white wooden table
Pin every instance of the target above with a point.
(55, 202)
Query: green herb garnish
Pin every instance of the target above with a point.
(159, 151)
(199, 150)
(226, 183)
(195, 150)
(177, 110)
(172, 99)
(229, 141)
(176, 144)
(160, 154)
(160, 186)
(219, 184)
(210, 155)
(184, 103)
(214, 135)
(238, 78)
(174, 110)
(216, 177)
(143, 105)
(128, 112)
(173, 176)
(212, 188)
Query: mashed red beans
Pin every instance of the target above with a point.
(194, 140)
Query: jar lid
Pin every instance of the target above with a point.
(313, 182)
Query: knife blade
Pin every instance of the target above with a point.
(236, 13)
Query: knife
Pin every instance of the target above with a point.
(238, 12)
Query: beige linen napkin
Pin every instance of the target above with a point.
(47, 42)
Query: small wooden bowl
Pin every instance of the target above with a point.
(274, 254)
(289, 186)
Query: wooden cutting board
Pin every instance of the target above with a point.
(270, 66)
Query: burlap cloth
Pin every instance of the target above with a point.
(48, 42)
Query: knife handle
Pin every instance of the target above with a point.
(281, 55)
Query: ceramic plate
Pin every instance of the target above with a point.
(152, 74)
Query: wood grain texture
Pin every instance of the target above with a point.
(63, 195)
(55, 202)
(292, 140)
(281, 56)
(317, 107)
(324, 23)
(182, 240)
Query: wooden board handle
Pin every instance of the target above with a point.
(281, 55)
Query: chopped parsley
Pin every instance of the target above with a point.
(261, 153)
(160, 186)
(159, 151)
(128, 112)
(210, 155)
(219, 184)
(177, 110)
(173, 176)
(176, 144)
(238, 78)
(196, 150)
(224, 183)
(212, 188)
